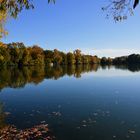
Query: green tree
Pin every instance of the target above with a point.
(70, 58)
(26, 57)
(14, 53)
(57, 57)
(3, 17)
(78, 56)
(37, 55)
(4, 54)
(104, 60)
(85, 59)
(95, 60)
(48, 57)
(64, 58)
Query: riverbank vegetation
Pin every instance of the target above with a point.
(17, 54)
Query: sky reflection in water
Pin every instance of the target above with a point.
(78, 103)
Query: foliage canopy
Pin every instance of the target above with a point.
(120, 9)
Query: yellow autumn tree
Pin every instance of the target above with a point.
(3, 17)
(11, 8)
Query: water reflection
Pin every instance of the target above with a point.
(18, 77)
(132, 68)
(94, 106)
(2, 117)
(10, 132)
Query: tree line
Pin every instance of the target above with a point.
(17, 54)
(20, 55)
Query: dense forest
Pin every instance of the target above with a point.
(17, 54)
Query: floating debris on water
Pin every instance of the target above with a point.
(84, 125)
(43, 122)
(78, 127)
(31, 114)
(127, 136)
(38, 111)
(56, 114)
(37, 132)
(84, 121)
(131, 131)
(95, 114)
(114, 136)
(7, 113)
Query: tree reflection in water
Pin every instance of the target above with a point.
(18, 77)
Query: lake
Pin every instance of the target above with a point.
(77, 102)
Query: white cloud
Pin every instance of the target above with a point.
(110, 52)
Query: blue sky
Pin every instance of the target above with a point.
(72, 24)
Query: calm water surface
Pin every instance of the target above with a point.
(78, 103)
